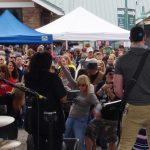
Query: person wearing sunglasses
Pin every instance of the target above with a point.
(103, 127)
(77, 120)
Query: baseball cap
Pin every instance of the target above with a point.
(90, 49)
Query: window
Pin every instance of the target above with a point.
(45, 17)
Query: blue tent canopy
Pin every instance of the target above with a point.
(12, 31)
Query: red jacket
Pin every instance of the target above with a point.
(4, 88)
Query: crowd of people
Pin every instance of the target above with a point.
(54, 74)
(86, 70)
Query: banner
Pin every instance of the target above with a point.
(122, 18)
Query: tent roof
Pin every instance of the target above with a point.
(14, 31)
(83, 25)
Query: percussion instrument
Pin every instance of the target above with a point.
(6, 120)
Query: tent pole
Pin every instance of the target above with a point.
(83, 44)
(95, 45)
(52, 48)
(66, 45)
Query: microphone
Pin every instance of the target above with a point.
(39, 96)
(23, 88)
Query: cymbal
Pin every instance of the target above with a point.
(6, 120)
(9, 144)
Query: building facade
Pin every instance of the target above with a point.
(34, 14)
(138, 10)
(106, 9)
(37, 13)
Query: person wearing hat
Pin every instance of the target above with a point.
(93, 72)
(88, 57)
(104, 125)
(90, 54)
(98, 56)
(139, 97)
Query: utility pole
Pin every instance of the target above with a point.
(143, 16)
(126, 14)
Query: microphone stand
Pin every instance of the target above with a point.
(34, 93)
(23, 88)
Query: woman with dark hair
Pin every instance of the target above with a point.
(13, 70)
(5, 74)
(49, 85)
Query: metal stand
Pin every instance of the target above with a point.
(51, 118)
(33, 93)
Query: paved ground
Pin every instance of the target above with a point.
(22, 138)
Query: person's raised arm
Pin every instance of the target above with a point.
(72, 82)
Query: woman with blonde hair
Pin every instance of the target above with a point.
(111, 60)
(2, 60)
(83, 80)
(14, 102)
(101, 66)
(66, 61)
(67, 57)
(78, 116)
(76, 123)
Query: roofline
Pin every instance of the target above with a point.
(16, 4)
(57, 10)
(139, 19)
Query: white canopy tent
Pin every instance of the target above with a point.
(81, 25)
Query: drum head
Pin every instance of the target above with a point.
(6, 120)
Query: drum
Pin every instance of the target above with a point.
(6, 120)
(9, 144)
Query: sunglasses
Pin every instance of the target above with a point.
(81, 85)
